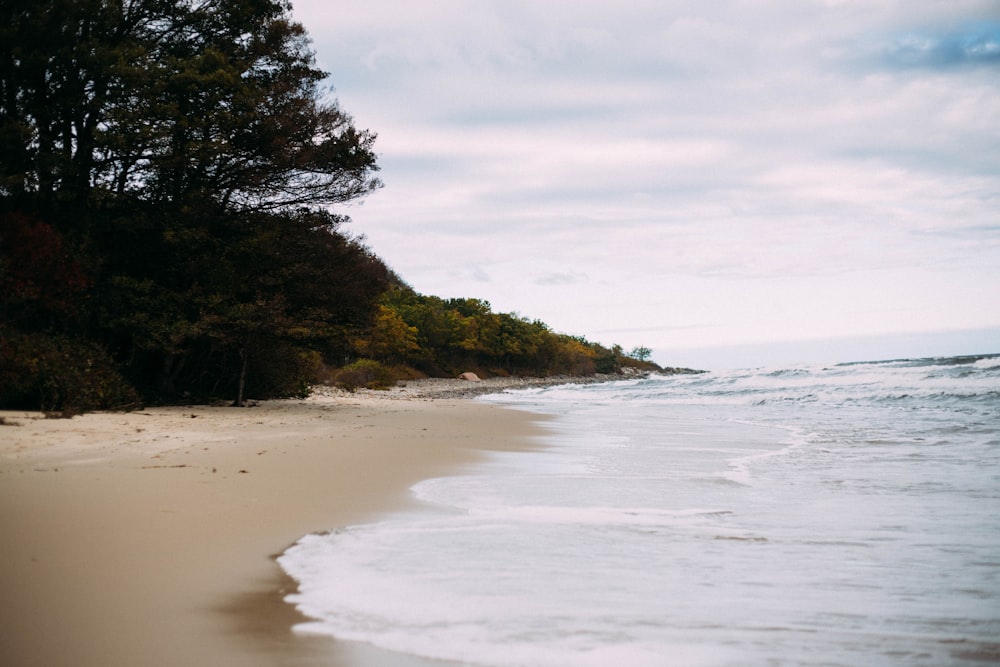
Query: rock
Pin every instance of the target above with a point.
(471, 377)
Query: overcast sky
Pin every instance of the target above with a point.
(686, 175)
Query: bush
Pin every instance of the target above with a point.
(367, 374)
(282, 371)
(59, 374)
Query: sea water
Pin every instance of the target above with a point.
(832, 515)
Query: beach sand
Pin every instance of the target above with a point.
(148, 538)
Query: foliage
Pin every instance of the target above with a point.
(56, 373)
(390, 337)
(366, 374)
(166, 169)
(40, 283)
(232, 298)
(640, 353)
(448, 336)
(172, 102)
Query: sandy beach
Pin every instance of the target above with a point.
(148, 538)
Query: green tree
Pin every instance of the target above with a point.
(640, 353)
(172, 101)
(185, 153)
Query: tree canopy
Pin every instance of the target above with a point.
(439, 336)
(177, 161)
(172, 102)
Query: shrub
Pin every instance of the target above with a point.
(59, 374)
(282, 371)
(365, 373)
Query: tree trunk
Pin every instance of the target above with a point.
(244, 355)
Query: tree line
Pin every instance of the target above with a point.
(442, 337)
(168, 172)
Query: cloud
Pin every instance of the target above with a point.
(664, 163)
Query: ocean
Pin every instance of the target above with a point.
(845, 514)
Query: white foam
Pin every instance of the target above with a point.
(855, 531)
(988, 363)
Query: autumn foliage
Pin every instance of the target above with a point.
(444, 337)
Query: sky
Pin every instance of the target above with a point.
(734, 182)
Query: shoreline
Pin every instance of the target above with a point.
(150, 537)
(454, 388)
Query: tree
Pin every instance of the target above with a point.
(236, 299)
(640, 353)
(40, 283)
(172, 101)
(185, 154)
(390, 338)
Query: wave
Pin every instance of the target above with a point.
(937, 380)
(961, 360)
(772, 511)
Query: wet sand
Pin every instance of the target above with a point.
(148, 538)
